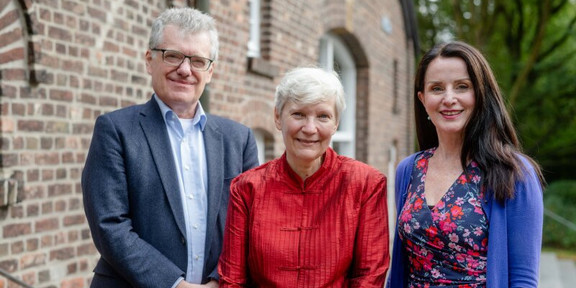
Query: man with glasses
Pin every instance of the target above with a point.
(157, 176)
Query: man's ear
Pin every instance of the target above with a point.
(210, 72)
(148, 57)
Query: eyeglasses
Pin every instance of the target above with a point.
(175, 58)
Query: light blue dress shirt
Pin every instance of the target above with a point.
(188, 150)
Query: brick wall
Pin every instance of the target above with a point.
(64, 62)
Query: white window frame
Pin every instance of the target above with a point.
(255, 20)
(333, 50)
(260, 145)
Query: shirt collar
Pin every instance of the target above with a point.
(199, 117)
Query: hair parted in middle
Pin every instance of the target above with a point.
(489, 136)
(310, 85)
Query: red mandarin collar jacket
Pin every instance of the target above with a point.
(330, 230)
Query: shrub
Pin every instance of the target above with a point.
(560, 199)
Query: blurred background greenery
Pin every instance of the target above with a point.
(531, 45)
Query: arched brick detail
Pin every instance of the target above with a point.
(14, 71)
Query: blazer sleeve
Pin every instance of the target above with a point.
(248, 155)
(525, 216)
(106, 203)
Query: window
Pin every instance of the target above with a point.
(265, 145)
(259, 42)
(255, 18)
(335, 55)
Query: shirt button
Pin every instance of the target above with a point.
(191, 196)
(197, 257)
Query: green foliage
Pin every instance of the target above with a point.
(560, 198)
(531, 45)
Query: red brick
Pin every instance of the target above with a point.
(49, 224)
(59, 190)
(73, 283)
(58, 33)
(17, 247)
(32, 260)
(9, 18)
(62, 254)
(9, 37)
(32, 244)
(9, 265)
(31, 125)
(74, 220)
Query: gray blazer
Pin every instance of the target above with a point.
(132, 199)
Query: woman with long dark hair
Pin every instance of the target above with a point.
(469, 204)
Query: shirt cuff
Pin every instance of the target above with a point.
(177, 282)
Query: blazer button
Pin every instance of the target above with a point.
(183, 240)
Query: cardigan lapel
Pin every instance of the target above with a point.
(154, 128)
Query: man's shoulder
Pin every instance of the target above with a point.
(224, 123)
(128, 111)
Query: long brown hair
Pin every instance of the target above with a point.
(489, 137)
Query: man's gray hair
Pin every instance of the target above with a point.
(188, 20)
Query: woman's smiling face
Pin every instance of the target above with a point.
(307, 129)
(448, 95)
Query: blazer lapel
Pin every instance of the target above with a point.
(154, 128)
(215, 164)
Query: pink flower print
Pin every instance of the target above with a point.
(436, 216)
(453, 237)
(462, 179)
(459, 201)
(407, 228)
(442, 216)
(440, 204)
(478, 210)
(478, 231)
(460, 257)
(447, 226)
(418, 204)
(455, 246)
(435, 273)
(406, 216)
(476, 179)
(466, 232)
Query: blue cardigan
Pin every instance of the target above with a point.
(514, 233)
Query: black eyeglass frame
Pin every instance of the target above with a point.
(210, 61)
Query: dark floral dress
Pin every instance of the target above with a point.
(446, 245)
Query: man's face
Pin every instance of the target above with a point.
(179, 87)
